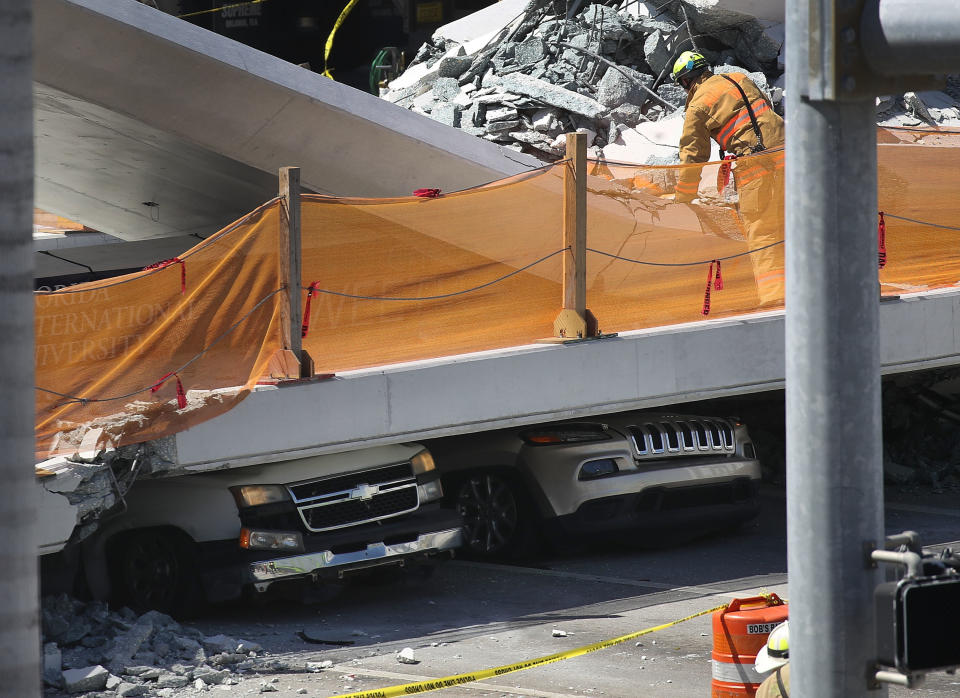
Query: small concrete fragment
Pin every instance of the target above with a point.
(168, 679)
(445, 89)
(406, 656)
(91, 678)
(530, 51)
(129, 690)
(52, 664)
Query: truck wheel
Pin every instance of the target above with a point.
(156, 569)
(497, 515)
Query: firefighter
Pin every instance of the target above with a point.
(731, 109)
(775, 657)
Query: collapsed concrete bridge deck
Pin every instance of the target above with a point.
(543, 382)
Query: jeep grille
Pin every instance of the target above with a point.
(682, 437)
(356, 498)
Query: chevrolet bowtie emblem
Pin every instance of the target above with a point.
(364, 492)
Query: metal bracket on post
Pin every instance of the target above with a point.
(574, 321)
(290, 264)
(846, 38)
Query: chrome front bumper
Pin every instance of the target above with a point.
(266, 571)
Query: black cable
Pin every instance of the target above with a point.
(443, 295)
(68, 261)
(685, 264)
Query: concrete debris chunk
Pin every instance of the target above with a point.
(916, 107)
(168, 679)
(406, 656)
(552, 95)
(502, 114)
(445, 89)
(658, 51)
(127, 644)
(91, 678)
(52, 664)
(220, 644)
(129, 690)
(453, 66)
(447, 113)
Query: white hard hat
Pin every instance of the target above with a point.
(777, 650)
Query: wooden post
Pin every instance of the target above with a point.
(290, 264)
(574, 320)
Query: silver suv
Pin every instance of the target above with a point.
(634, 471)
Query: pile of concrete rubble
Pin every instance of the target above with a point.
(522, 73)
(90, 650)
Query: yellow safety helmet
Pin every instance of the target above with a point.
(777, 650)
(688, 65)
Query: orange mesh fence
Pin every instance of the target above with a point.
(394, 280)
(654, 262)
(155, 352)
(919, 195)
(403, 279)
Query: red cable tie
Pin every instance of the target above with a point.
(181, 395)
(166, 263)
(881, 242)
(427, 193)
(305, 326)
(159, 383)
(718, 284)
(706, 293)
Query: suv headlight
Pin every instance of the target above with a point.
(257, 495)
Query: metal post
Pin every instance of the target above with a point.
(574, 320)
(291, 264)
(834, 457)
(19, 632)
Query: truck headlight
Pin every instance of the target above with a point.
(256, 495)
(288, 541)
(422, 462)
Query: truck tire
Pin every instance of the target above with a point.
(156, 569)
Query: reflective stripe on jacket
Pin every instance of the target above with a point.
(715, 109)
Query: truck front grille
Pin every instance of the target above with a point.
(357, 498)
(682, 437)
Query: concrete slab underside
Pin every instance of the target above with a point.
(536, 383)
(134, 105)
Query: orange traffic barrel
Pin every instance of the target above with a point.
(739, 632)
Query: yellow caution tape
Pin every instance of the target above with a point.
(222, 7)
(459, 679)
(336, 25)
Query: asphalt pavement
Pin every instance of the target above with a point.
(469, 616)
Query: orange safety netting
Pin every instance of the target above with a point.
(154, 352)
(414, 278)
(393, 280)
(653, 262)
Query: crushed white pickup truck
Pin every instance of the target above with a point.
(148, 535)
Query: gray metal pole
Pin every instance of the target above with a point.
(911, 37)
(834, 455)
(19, 631)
